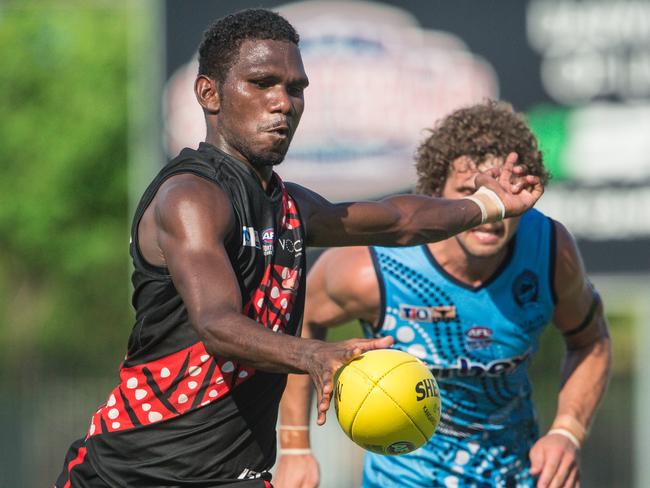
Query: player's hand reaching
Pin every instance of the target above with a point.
(554, 459)
(325, 360)
(513, 185)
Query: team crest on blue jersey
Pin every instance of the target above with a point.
(478, 337)
(525, 288)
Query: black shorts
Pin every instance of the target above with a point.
(79, 473)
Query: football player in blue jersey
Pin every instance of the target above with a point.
(472, 307)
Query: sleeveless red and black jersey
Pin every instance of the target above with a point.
(181, 417)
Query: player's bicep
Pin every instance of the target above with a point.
(193, 218)
(579, 310)
(348, 223)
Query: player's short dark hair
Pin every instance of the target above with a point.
(490, 128)
(221, 41)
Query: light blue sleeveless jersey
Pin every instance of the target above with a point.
(477, 342)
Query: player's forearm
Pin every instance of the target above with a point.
(585, 374)
(400, 220)
(424, 219)
(237, 337)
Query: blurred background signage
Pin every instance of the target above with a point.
(382, 73)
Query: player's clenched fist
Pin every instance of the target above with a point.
(327, 358)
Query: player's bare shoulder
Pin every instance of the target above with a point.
(569, 268)
(185, 207)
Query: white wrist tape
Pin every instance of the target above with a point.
(294, 427)
(566, 433)
(295, 452)
(492, 208)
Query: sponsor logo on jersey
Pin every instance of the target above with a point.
(465, 367)
(441, 313)
(250, 237)
(267, 241)
(291, 245)
(426, 389)
(478, 337)
(525, 288)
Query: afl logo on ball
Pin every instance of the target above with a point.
(401, 447)
(525, 288)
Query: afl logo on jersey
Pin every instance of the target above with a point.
(525, 288)
(478, 337)
(267, 241)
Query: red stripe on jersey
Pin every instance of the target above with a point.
(168, 387)
(81, 455)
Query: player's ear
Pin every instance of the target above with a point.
(207, 93)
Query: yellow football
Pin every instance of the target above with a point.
(387, 401)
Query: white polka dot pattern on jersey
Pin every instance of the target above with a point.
(405, 334)
(451, 482)
(154, 416)
(184, 371)
(462, 457)
(389, 322)
(417, 350)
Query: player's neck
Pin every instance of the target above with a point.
(264, 172)
(465, 267)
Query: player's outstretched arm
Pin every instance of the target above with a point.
(342, 286)
(193, 218)
(417, 219)
(585, 372)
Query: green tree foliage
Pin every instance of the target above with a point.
(63, 188)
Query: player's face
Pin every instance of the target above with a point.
(485, 240)
(262, 101)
